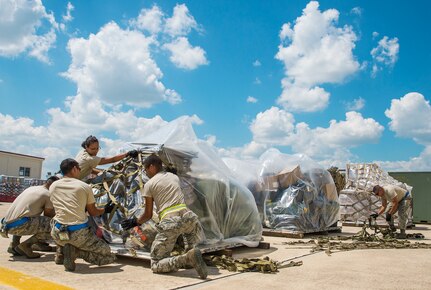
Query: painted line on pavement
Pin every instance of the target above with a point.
(20, 280)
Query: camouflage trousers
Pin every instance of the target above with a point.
(403, 206)
(39, 226)
(90, 248)
(169, 229)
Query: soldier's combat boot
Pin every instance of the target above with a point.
(59, 257)
(69, 256)
(43, 247)
(402, 235)
(15, 242)
(25, 248)
(194, 258)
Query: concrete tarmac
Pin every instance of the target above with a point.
(357, 269)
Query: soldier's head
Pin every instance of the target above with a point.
(50, 180)
(378, 190)
(152, 165)
(91, 145)
(70, 167)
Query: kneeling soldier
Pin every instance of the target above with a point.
(175, 219)
(24, 218)
(71, 199)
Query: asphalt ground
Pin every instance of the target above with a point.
(357, 269)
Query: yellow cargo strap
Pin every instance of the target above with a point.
(171, 209)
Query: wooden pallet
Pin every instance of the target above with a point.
(298, 234)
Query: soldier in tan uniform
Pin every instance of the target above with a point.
(88, 159)
(176, 219)
(24, 218)
(71, 198)
(394, 198)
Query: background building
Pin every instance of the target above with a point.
(20, 165)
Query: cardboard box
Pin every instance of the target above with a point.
(289, 176)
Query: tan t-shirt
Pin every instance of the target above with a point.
(30, 203)
(86, 163)
(164, 188)
(70, 197)
(392, 191)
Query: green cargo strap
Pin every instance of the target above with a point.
(171, 209)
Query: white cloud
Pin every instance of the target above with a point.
(302, 98)
(356, 10)
(411, 118)
(418, 163)
(314, 51)
(183, 55)
(356, 105)
(256, 63)
(117, 67)
(181, 22)
(272, 126)
(149, 20)
(68, 17)
(250, 150)
(251, 99)
(375, 34)
(211, 139)
(21, 26)
(277, 127)
(386, 53)
(257, 81)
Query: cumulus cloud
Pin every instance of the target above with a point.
(257, 81)
(116, 66)
(385, 54)
(356, 105)
(171, 34)
(181, 22)
(417, 163)
(26, 28)
(256, 63)
(149, 20)
(183, 55)
(68, 16)
(411, 118)
(356, 10)
(250, 150)
(272, 126)
(277, 127)
(251, 99)
(314, 51)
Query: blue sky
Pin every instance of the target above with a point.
(340, 81)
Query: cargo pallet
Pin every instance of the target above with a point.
(298, 234)
(221, 247)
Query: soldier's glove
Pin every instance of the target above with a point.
(374, 215)
(133, 153)
(388, 217)
(129, 223)
(109, 206)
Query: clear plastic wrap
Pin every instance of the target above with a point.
(291, 191)
(225, 207)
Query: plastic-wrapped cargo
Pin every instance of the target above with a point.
(225, 207)
(291, 191)
(356, 199)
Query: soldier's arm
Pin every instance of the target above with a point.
(93, 210)
(383, 207)
(148, 213)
